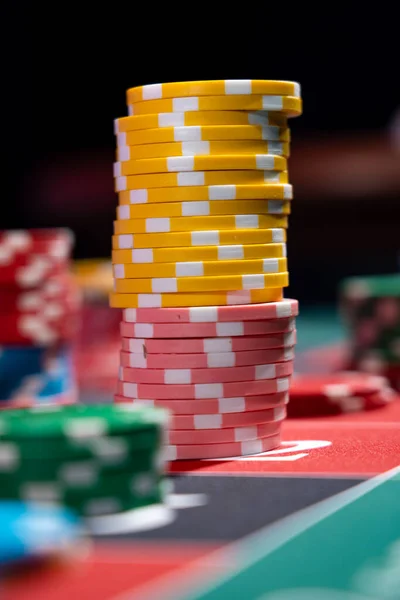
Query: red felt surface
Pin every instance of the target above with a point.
(110, 572)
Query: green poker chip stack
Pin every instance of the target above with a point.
(96, 459)
(370, 307)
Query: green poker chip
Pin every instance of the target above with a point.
(107, 449)
(96, 459)
(112, 493)
(76, 421)
(63, 471)
(358, 288)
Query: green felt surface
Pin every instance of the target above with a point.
(344, 548)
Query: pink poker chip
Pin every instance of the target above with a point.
(207, 345)
(203, 390)
(210, 314)
(205, 330)
(210, 451)
(228, 435)
(213, 405)
(210, 360)
(218, 421)
(195, 376)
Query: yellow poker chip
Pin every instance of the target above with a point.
(173, 285)
(267, 191)
(241, 147)
(290, 105)
(174, 164)
(223, 87)
(187, 119)
(206, 133)
(94, 277)
(198, 238)
(203, 209)
(200, 268)
(194, 224)
(148, 256)
(197, 299)
(198, 178)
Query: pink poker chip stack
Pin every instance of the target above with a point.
(223, 373)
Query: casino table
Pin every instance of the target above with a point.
(318, 513)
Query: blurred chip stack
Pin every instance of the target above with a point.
(39, 318)
(97, 354)
(370, 307)
(32, 533)
(199, 260)
(96, 460)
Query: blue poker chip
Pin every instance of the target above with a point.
(38, 373)
(32, 531)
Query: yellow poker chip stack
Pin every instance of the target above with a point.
(201, 173)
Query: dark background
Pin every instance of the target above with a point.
(66, 69)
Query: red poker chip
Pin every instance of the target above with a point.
(97, 367)
(326, 407)
(100, 327)
(56, 288)
(55, 243)
(98, 364)
(31, 271)
(381, 398)
(336, 393)
(391, 371)
(335, 385)
(37, 329)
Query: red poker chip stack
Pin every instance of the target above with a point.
(338, 393)
(223, 372)
(39, 299)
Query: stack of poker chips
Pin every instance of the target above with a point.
(39, 310)
(96, 460)
(98, 347)
(370, 307)
(323, 394)
(199, 260)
